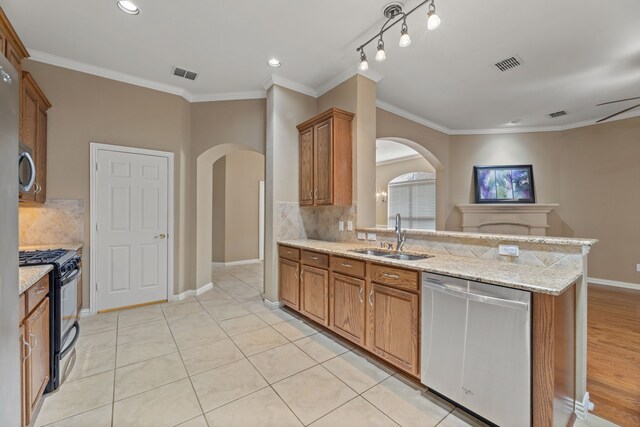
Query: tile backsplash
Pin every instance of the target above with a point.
(295, 222)
(58, 221)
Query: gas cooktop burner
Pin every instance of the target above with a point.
(41, 257)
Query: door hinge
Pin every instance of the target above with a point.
(96, 286)
(96, 226)
(96, 166)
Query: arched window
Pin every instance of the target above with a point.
(413, 196)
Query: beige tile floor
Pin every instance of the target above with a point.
(226, 359)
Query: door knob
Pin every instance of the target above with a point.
(161, 236)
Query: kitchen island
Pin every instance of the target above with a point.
(375, 302)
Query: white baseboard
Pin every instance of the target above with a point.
(85, 312)
(192, 292)
(583, 408)
(614, 283)
(232, 263)
(271, 304)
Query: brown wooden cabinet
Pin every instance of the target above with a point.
(314, 294)
(35, 347)
(37, 330)
(326, 159)
(347, 307)
(393, 326)
(33, 133)
(289, 282)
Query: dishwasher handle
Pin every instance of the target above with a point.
(437, 286)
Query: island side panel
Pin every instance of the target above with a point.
(554, 359)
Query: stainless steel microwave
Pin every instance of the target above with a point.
(26, 171)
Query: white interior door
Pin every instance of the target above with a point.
(132, 218)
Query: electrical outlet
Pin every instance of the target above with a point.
(638, 268)
(509, 250)
(371, 236)
(362, 236)
(350, 225)
(340, 225)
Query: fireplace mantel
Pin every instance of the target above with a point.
(512, 218)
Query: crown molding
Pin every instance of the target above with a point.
(400, 159)
(346, 75)
(410, 116)
(274, 79)
(533, 129)
(59, 61)
(229, 96)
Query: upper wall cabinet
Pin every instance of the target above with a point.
(10, 45)
(325, 159)
(33, 133)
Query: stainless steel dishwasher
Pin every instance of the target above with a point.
(476, 347)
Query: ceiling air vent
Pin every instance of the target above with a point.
(181, 72)
(557, 114)
(508, 64)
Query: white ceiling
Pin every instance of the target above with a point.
(390, 150)
(576, 53)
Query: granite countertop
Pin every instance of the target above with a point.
(529, 278)
(561, 241)
(30, 275)
(73, 246)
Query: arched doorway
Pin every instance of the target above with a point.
(431, 165)
(204, 207)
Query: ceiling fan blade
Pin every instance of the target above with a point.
(619, 100)
(618, 113)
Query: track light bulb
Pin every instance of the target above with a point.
(364, 65)
(433, 20)
(405, 40)
(381, 55)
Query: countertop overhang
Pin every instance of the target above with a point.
(551, 281)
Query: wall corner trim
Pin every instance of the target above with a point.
(274, 79)
(583, 407)
(271, 304)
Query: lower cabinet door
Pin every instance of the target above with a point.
(24, 354)
(314, 295)
(290, 283)
(393, 332)
(37, 329)
(348, 316)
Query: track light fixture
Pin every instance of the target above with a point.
(394, 14)
(381, 55)
(364, 65)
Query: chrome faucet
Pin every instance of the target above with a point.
(401, 236)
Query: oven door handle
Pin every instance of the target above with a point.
(75, 326)
(72, 277)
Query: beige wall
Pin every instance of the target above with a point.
(88, 109)
(593, 172)
(217, 129)
(387, 171)
(243, 171)
(432, 144)
(218, 235)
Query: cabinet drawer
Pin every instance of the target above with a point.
(316, 259)
(22, 308)
(351, 267)
(289, 252)
(37, 293)
(400, 278)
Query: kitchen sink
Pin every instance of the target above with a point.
(374, 252)
(390, 254)
(408, 257)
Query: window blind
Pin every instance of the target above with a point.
(415, 201)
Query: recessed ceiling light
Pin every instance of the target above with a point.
(273, 62)
(128, 7)
(515, 121)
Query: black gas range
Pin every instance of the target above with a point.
(64, 326)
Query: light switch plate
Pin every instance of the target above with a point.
(350, 225)
(371, 236)
(362, 236)
(509, 250)
(340, 225)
